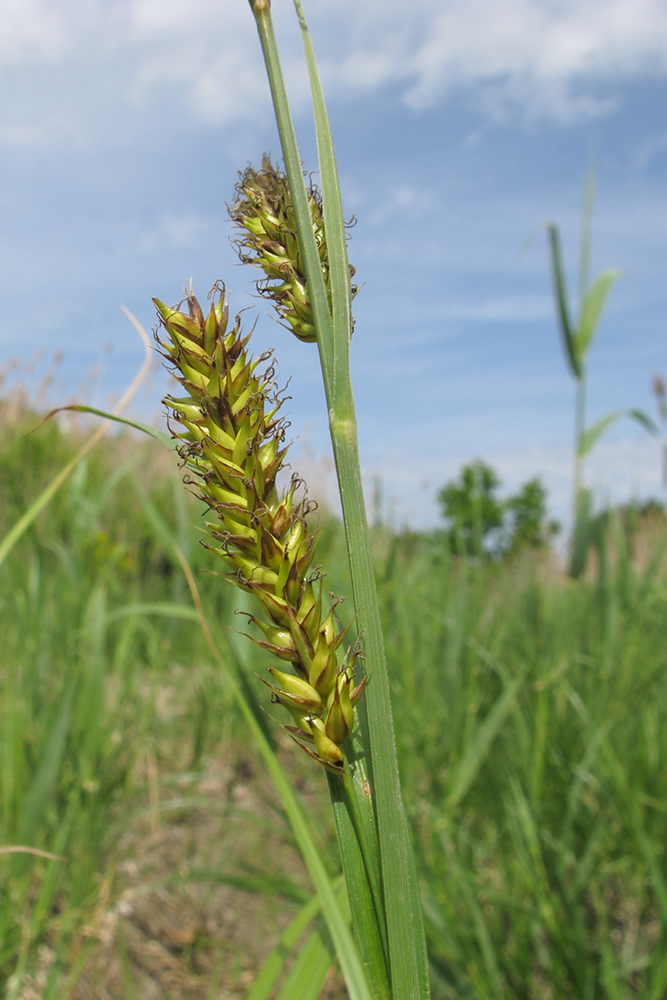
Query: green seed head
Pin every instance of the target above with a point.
(264, 214)
(231, 439)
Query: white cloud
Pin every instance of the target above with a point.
(52, 127)
(559, 58)
(548, 58)
(175, 230)
(31, 30)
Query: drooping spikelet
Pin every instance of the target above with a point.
(264, 213)
(232, 442)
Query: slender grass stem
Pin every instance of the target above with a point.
(402, 905)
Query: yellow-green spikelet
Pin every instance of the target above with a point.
(264, 213)
(232, 441)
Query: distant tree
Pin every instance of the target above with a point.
(527, 516)
(482, 523)
(471, 508)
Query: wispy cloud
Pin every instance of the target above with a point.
(560, 60)
(548, 59)
(176, 230)
(32, 30)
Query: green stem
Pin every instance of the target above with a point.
(579, 427)
(407, 947)
(402, 904)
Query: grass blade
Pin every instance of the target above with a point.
(262, 988)
(558, 275)
(592, 434)
(334, 220)
(596, 430)
(402, 903)
(145, 428)
(46, 776)
(306, 236)
(592, 306)
(163, 610)
(467, 769)
(364, 893)
(308, 974)
(644, 421)
(407, 948)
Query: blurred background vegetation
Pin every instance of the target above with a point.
(531, 713)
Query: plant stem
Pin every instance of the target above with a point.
(402, 904)
(579, 426)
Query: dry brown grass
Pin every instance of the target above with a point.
(166, 924)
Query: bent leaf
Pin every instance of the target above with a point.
(643, 418)
(144, 428)
(596, 430)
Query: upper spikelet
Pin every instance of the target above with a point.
(264, 213)
(232, 443)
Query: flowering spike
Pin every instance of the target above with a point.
(231, 441)
(263, 211)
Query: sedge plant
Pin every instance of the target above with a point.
(231, 439)
(577, 337)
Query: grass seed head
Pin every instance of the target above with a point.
(232, 443)
(264, 214)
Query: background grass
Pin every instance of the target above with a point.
(530, 714)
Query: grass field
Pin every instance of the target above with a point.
(531, 720)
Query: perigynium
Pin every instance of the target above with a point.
(232, 443)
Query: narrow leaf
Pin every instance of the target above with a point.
(162, 610)
(45, 497)
(402, 903)
(263, 986)
(465, 772)
(586, 232)
(46, 775)
(308, 974)
(334, 220)
(592, 306)
(645, 421)
(562, 308)
(364, 898)
(592, 433)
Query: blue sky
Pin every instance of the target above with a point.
(461, 127)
